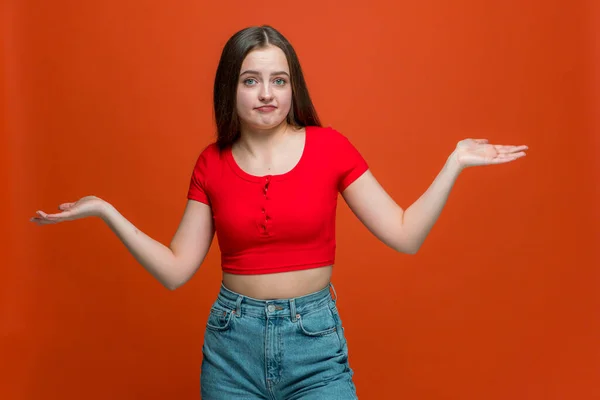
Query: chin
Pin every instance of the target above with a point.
(264, 125)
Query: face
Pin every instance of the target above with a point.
(264, 91)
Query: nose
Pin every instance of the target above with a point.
(265, 94)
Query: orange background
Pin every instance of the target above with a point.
(113, 98)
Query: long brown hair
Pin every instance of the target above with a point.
(302, 112)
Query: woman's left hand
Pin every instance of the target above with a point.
(473, 152)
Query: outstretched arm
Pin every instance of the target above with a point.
(172, 265)
(406, 230)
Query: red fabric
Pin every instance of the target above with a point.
(277, 223)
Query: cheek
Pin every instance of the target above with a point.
(243, 100)
(285, 99)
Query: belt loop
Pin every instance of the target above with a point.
(293, 309)
(334, 292)
(238, 306)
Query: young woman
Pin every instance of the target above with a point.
(268, 187)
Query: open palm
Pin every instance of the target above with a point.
(85, 207)
(473, 152)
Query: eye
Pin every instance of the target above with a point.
(250, 81)
(280, 81)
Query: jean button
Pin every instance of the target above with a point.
(271, 308)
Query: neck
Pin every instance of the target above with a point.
(262, 141)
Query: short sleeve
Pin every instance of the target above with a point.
(350, 163)
(197, 189)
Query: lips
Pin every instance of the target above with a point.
(266, 108)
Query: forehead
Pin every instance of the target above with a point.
(266, 59)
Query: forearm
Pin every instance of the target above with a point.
(155, 257)
(419, 218)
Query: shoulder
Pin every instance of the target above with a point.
(325, 132)
(328, 136)
(210, 153)
(208, 157)
(211, 150)
(332, 139)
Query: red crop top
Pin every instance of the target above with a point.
(277, 223)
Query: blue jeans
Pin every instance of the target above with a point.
(284, 349)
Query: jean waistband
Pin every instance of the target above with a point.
(277, 307)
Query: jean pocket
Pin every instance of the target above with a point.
(317, 322)
(340, 330)
(219, 318)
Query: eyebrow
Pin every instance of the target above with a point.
(258, 73)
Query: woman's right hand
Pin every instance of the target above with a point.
(89, 206)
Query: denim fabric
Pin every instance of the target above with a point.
(283, 349)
